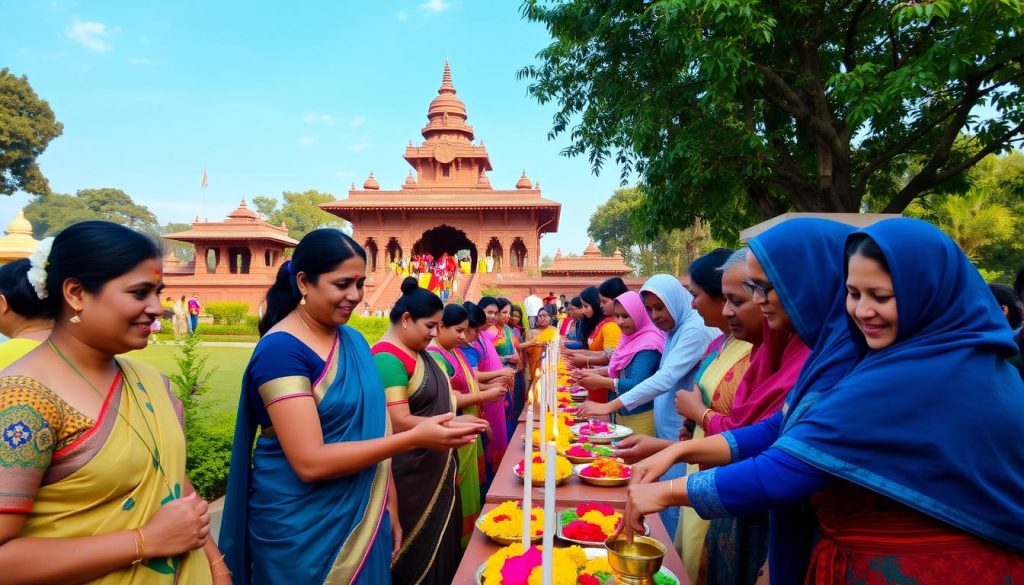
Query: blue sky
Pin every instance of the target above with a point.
(275, 96)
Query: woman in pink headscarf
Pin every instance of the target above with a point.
(635, 359)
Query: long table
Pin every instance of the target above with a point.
(506, 486)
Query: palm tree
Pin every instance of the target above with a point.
(974, 221)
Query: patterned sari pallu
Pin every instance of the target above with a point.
(108, 480)
(428, 499)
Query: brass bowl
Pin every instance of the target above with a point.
(636, 563)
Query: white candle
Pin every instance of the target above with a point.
(543, 415)
(528, 476)
(547, 549)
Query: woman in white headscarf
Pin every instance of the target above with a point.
(687, 338)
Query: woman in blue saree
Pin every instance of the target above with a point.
(918, 346)
(313, 502)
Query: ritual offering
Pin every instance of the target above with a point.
(605, 472)
(601, 432)
(638, 562)
(563, 469)
(504, 524)
(578, 393)
(563, 437)
(588, 523)
(587, 452)
(572, 566)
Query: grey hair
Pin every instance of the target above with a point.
(738, 258)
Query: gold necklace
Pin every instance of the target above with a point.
(154, 451)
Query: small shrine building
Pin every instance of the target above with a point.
(18, 241)
(235, 259)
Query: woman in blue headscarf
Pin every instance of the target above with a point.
(895, 500)
(687, 339)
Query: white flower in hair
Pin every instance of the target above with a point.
(40, 260)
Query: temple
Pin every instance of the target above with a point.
(235, 260)
(447, 204)
(18, 241)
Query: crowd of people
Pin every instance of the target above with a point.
(827, 405)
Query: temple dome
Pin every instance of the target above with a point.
(447, 112)
(18, 243)
(371, 183)
(524, 182)
(591, 249)
(410, 181)
(243, 212)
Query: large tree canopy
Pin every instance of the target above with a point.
(51, 213)
(27, 125)
(300, 212)
(731, 110)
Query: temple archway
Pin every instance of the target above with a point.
(444, 238)
(393, 251)
(371, 254)
(517, 254)
(496, 253)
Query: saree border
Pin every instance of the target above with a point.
(407, 540)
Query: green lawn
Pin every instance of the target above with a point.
(228, 365)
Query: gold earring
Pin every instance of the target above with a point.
(405, 325)
(302, 301)
(75, 319)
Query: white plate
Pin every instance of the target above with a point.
(617, 433)
(592, 553)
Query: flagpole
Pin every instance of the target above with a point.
(202, 190)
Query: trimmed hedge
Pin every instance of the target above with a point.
(237, 329)
(227, 313)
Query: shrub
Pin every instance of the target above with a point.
(252, 321)
(208, 449)
(492, 291)
(215, 330)
(372, 328)
(227, 313)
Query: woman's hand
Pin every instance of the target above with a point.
(592, 381)
(468, 419)
(651, 469)
(580, 361)
(493, 394)
(590, 408)
(643, 499)
(179, 526)
(690, 403)
(638, 447)
(438, 434)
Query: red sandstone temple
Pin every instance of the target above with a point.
(235, 260)
(447, 204)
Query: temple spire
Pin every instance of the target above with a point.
(446, 80)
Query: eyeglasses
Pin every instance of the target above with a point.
(758, 288)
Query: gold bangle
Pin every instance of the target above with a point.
(225, 574)
(704, 419)
(671, 488)
(140, 547)
(220, 560)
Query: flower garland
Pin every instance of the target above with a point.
(563, 469)
(512, 566)
(506, 521)
(590, 522)
(606, 467)
(39, 261)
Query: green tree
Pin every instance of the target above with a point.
(27, 125)
(734, 110)
(183, 250)
(300, 212)
(51, 213)
(616, 225)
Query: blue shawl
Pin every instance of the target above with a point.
(889, 424)
(814, 300)
(278, 528)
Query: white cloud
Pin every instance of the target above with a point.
(435, 5)
(318, 118)
(306, 140)
(402, 15)
(359, 146)
(92, 35)
(357, 121)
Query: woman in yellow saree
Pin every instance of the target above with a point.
(20, 313)
(92, 451)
